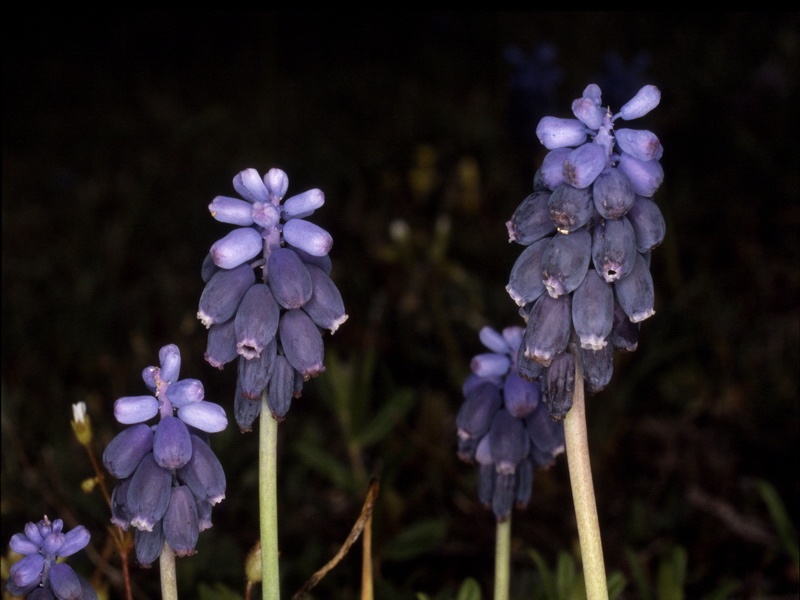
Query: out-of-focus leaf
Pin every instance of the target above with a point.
(218, 592)
(780, 518)
(672, 575)
(639, 579)
(469, 590)
(616, 584)
(565, 575)
(723, 591)
(390, 413)
(548, 585)
(321, 461)
(416, 539)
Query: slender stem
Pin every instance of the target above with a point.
(169, 582)
(366, 561)
(268, 501)
(502, 559)
(580, 475)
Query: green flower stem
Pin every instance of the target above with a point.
(169, 582)
(502, 559)
(268, 501)
(580, 475)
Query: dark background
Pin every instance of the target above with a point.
(118, 130)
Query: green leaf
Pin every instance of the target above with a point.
(322, 462)
(384, 422)
(672, 574)
(416, 540)
(218, 592)
(779, 516)
(469, 590)
(565, 575)
(642, 587)
(616, 584)
(544, 572)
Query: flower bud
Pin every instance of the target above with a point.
(180, 525)
(646, 176)
(277, 183)
(584, 164)
(288, 278)
(307, 236)
(645, 100)
(64, 582)
(250, 186)
(256, 321)
(231, 210)
(559, 133)
(172, 446)
(239, 246)
(124, 453)
(639, 143)
(303, 205)
(521, 396)
(205, 416)
(302, 343)
(185, 391)
(325, 306)
(135, 409)
(203, 474)
(223, 294)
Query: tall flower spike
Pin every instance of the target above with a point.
(268, 293)
(596, 186)
(168, 476)
(503, 426)
(38, 573)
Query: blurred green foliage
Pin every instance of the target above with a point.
(119, 129)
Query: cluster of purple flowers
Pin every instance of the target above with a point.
(503, 425)
(170, 477)
(38, 573)
(589, 227)
(272, 325)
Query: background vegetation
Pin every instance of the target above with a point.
(119, 129)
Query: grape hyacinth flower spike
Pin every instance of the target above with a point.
(272, 324)
(38, 573)
(503, 425)
(584, 281)
(169, 476)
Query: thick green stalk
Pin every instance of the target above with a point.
(169, 582)
(268, 501)
(502, 559)
(580, 475)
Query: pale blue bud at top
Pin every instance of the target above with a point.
(554, 132)
(325, 306)
(124, 453)
(584, 164)
(303, 204)
(589, 113)
(489, 364)
(593, 93)
(231, 210)
(639, 143)
(53, 542)
(185, 391)
(239, 246)
(75, 540)
(277, 183)
(205, 416)
(223, 294)
(170, 359)
(307, 236)
(646, 176)
(302, 343)
(266, 215)
(493, 340)
(172, 446)
(645, 100)
(180, 525)
(288, 278)
(135, 409)
(28, 570)
(33, 534)
(64, 582)
(20, 544)
(148, 494)
(513, 337)
(250, 186)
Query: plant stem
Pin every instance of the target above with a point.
(169, 582)
(268, 501)
(580, 475)
(502, 559)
